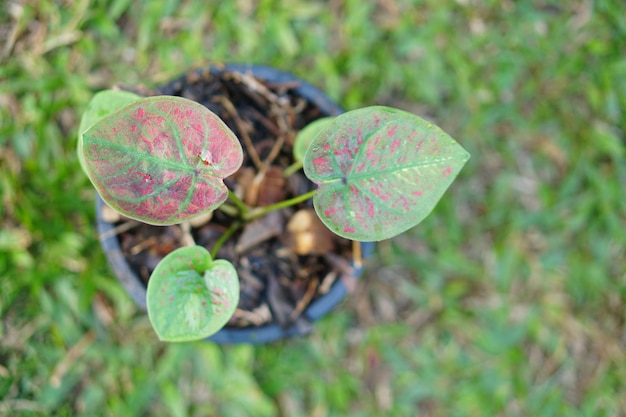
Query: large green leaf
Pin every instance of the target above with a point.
(161, 160)
(380, 171)
(190, 296)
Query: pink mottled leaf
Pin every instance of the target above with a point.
(191, 296)
(161, 160)
(380, 172)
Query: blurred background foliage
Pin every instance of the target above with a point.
(510, 299)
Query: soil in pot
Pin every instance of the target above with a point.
(285, 260)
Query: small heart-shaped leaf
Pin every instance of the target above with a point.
(306, 136)
(380, 171)
(101, 105)
(190, 296)
(161, 160)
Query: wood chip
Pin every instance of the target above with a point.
(201, 220)
(110, 215)
(307, 235)
(259, 231)
(273, 188)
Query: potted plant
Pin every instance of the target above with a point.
(166, 160)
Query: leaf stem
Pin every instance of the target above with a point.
(228, 233)
(292, 169)
(262, 211)
(241, 206)
(232, 211)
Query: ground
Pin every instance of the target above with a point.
(509, 299)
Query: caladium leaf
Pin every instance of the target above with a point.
(190, 296)
(161, 160)
(380, 172)
(306, 136)
(101, 105)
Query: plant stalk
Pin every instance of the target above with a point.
(228, 233)
(262, 211)
(292, 169)
(241, 206)
(232, 211)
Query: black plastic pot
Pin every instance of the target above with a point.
(255, 335)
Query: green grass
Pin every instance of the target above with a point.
(509, 300)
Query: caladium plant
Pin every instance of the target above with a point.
(162, 160)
